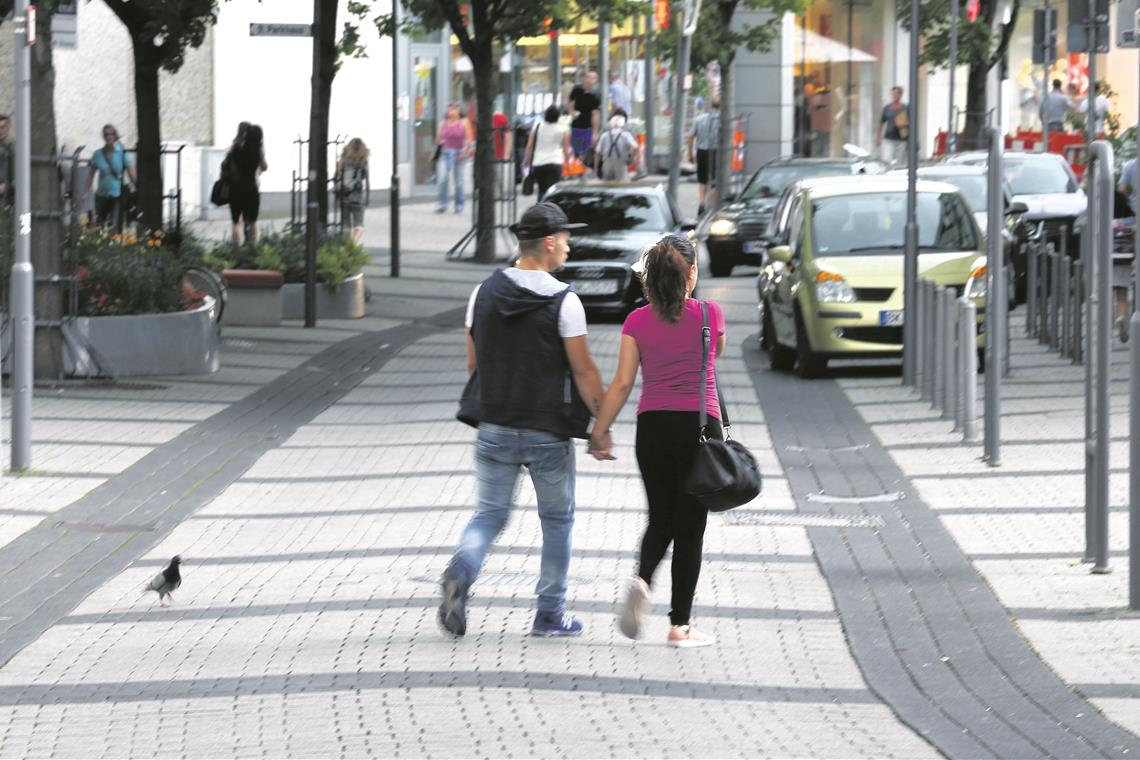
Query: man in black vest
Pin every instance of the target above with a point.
(533, 386)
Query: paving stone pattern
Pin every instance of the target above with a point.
(1022, 523)
(305, 626)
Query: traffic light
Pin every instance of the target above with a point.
(1044, 36)
(1078, 33)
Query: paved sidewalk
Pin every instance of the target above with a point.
(1022, 524)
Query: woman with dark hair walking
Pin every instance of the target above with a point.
(664, 340)
(546, 150)
(243, 164)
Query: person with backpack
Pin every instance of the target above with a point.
(354, 187)
(111, 162)
(616, 148)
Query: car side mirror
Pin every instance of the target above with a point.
(1017, 207)
(781, 253)
(687, 225)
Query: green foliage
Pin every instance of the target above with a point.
(122, 274)
(171, 26)
(717, 38)
(284, 252)
(980, 42)
(338, 259)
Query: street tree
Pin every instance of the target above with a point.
(479, 25)
(161, 31)
(47, 252)
(981, 44)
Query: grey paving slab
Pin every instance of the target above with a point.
(929, 634)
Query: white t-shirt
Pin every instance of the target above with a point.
(571, 317)
(548, 144)
(1102, 108)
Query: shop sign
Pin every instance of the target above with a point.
(661, 13)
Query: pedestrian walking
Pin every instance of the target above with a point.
(621, 97)
(1053, 109)
(355, 187)
(1101, 104)
(819, 118)
(532, 388)
(242, 167)
(546, 150)
(664, 340)
(454, 140)
(893, 129)
(585, 107)
(705, 136)
(113, 164)
(616, 148)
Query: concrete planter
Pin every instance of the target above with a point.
(180, 343)
(346, 302)
(253, 298)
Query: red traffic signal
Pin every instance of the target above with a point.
(973, 8)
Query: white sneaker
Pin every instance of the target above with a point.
(684, 637)
(633, 611)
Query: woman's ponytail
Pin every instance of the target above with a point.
(665, 277)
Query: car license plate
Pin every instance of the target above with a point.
(751, 246)
(892, 318)
(594, 287)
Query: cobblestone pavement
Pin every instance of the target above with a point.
(1022, 524)
(306, 623)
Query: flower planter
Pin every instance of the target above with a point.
(346, 302)
(180, 343)
(253, 297)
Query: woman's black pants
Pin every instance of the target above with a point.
(666, 444)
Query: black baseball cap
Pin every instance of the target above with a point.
(540, 220)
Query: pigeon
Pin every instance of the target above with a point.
(166, 581)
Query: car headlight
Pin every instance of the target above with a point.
(832, 288)
(638, 266)
(976, 285)
(722, 227)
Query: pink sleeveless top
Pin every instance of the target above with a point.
(454, 135)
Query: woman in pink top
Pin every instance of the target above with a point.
(454, 139)
(664, 339)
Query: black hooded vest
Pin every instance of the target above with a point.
(522, 376)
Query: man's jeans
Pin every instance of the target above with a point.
(500, 453)
(450, 165)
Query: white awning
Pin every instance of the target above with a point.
(809, 47)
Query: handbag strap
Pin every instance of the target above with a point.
(706, 342)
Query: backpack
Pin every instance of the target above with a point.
(618, 143)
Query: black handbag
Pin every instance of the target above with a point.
(528, 183)
(724, 473)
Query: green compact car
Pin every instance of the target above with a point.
(836, 288)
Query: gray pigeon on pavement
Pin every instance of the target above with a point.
(166, 581)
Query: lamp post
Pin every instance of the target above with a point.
(910, 261)
(951, 137)
(688, 20)
(394, 192)
(23, 277)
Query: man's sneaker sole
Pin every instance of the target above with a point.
(451, 618)
(555, 634)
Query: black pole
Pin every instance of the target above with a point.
(394, 245)
(312, 208)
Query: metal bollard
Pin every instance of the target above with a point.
(928, 340)
(949, 328)
(1066, 306)
(937, 360)
(919, 370)
(1077, 311)
(968, 368)
(1134, 465)
(1031, 292)
(1043, 294)
(1054, 300)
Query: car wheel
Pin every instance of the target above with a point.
(809, 364)
(780, 357)
(719, 268)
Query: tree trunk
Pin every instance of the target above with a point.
(148, 160)
(974, 132)
(727, 128)
(322, 81)
(47, 255)
(485, 175)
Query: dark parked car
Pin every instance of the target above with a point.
(734, 233)
(1045, 183)
(621, 220)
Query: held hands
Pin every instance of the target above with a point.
(601, 446)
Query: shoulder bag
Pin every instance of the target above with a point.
(724, 473)
(528, 178)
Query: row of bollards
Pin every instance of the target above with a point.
(1055, 297)
(947, 370)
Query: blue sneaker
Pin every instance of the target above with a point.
(453, 608)
(554, 624)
